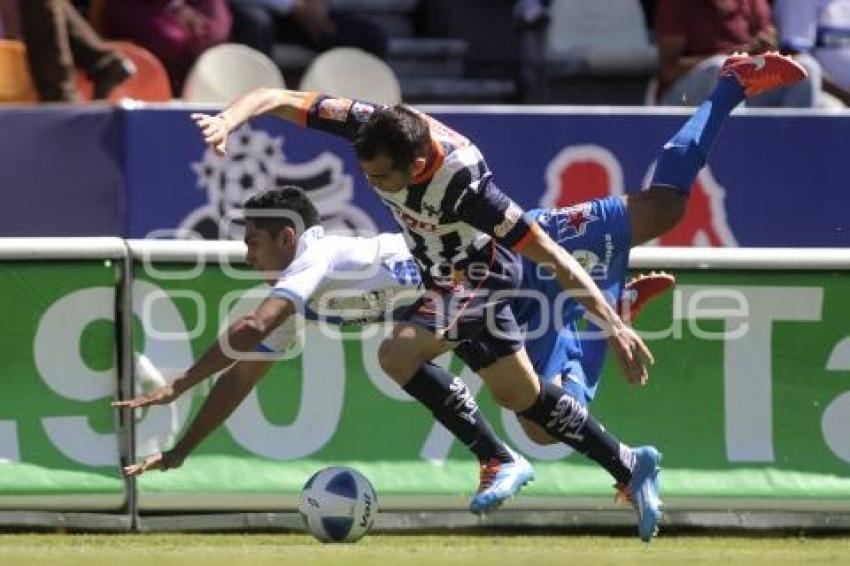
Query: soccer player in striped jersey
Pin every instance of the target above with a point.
(466, 236)
(354, 280)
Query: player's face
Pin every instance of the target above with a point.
(266, 254)
(381, 174)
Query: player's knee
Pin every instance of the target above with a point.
(667, 208)
(509, 398)
(535, 432)
(673, 210)
(395, 361)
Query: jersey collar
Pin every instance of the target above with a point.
(310, 234)
(437, 156)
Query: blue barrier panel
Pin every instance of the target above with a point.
(175, 183)
(772, 180)
(60, 171)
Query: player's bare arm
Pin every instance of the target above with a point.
(227, 393)
(286, 104)
(630, 351)
(242, 336)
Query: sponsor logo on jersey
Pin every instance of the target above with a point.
(362, 112)
(416, 224)
(595, 266)
(335, 109)
(586, 259)
(512, 216)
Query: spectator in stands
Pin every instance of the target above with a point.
(531, 13)
(176, 31)
(695, 36)
(58, 39)
(10, 26)
(310, 23)
(820, 28)
(531, 20)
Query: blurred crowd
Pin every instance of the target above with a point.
(553, 51)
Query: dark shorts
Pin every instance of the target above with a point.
(474, 314)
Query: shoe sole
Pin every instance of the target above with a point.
(656, 479)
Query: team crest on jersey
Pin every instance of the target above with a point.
(255, 162)
(573, 220)
(334, 109)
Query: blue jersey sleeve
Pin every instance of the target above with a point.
(339, 116)
(490, 210)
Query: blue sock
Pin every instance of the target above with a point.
(685, 154)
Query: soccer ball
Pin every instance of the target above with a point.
(338, 504)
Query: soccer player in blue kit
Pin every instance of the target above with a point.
(465, 235)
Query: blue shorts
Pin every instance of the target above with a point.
(598, 235)
(577, 361)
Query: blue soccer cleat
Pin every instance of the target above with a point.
(643, 491)
(499, 481)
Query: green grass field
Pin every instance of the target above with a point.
(413, 550)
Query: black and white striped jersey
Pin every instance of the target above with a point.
(452, 211)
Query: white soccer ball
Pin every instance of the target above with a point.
(338, 504)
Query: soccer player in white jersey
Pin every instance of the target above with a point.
(345, 279)
(466, 235)
(304, 266)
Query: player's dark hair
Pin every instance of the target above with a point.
(400, 133)
(275, 209)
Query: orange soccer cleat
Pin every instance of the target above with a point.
(763, 72)
(642, 289)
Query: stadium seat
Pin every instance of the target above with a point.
(226, 71)
(352, 73)
(16, 84)
(150, 83)
(599, 37)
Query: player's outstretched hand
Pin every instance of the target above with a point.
(215, 130)
(162, 395)
(632, 354)
(158, 461)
